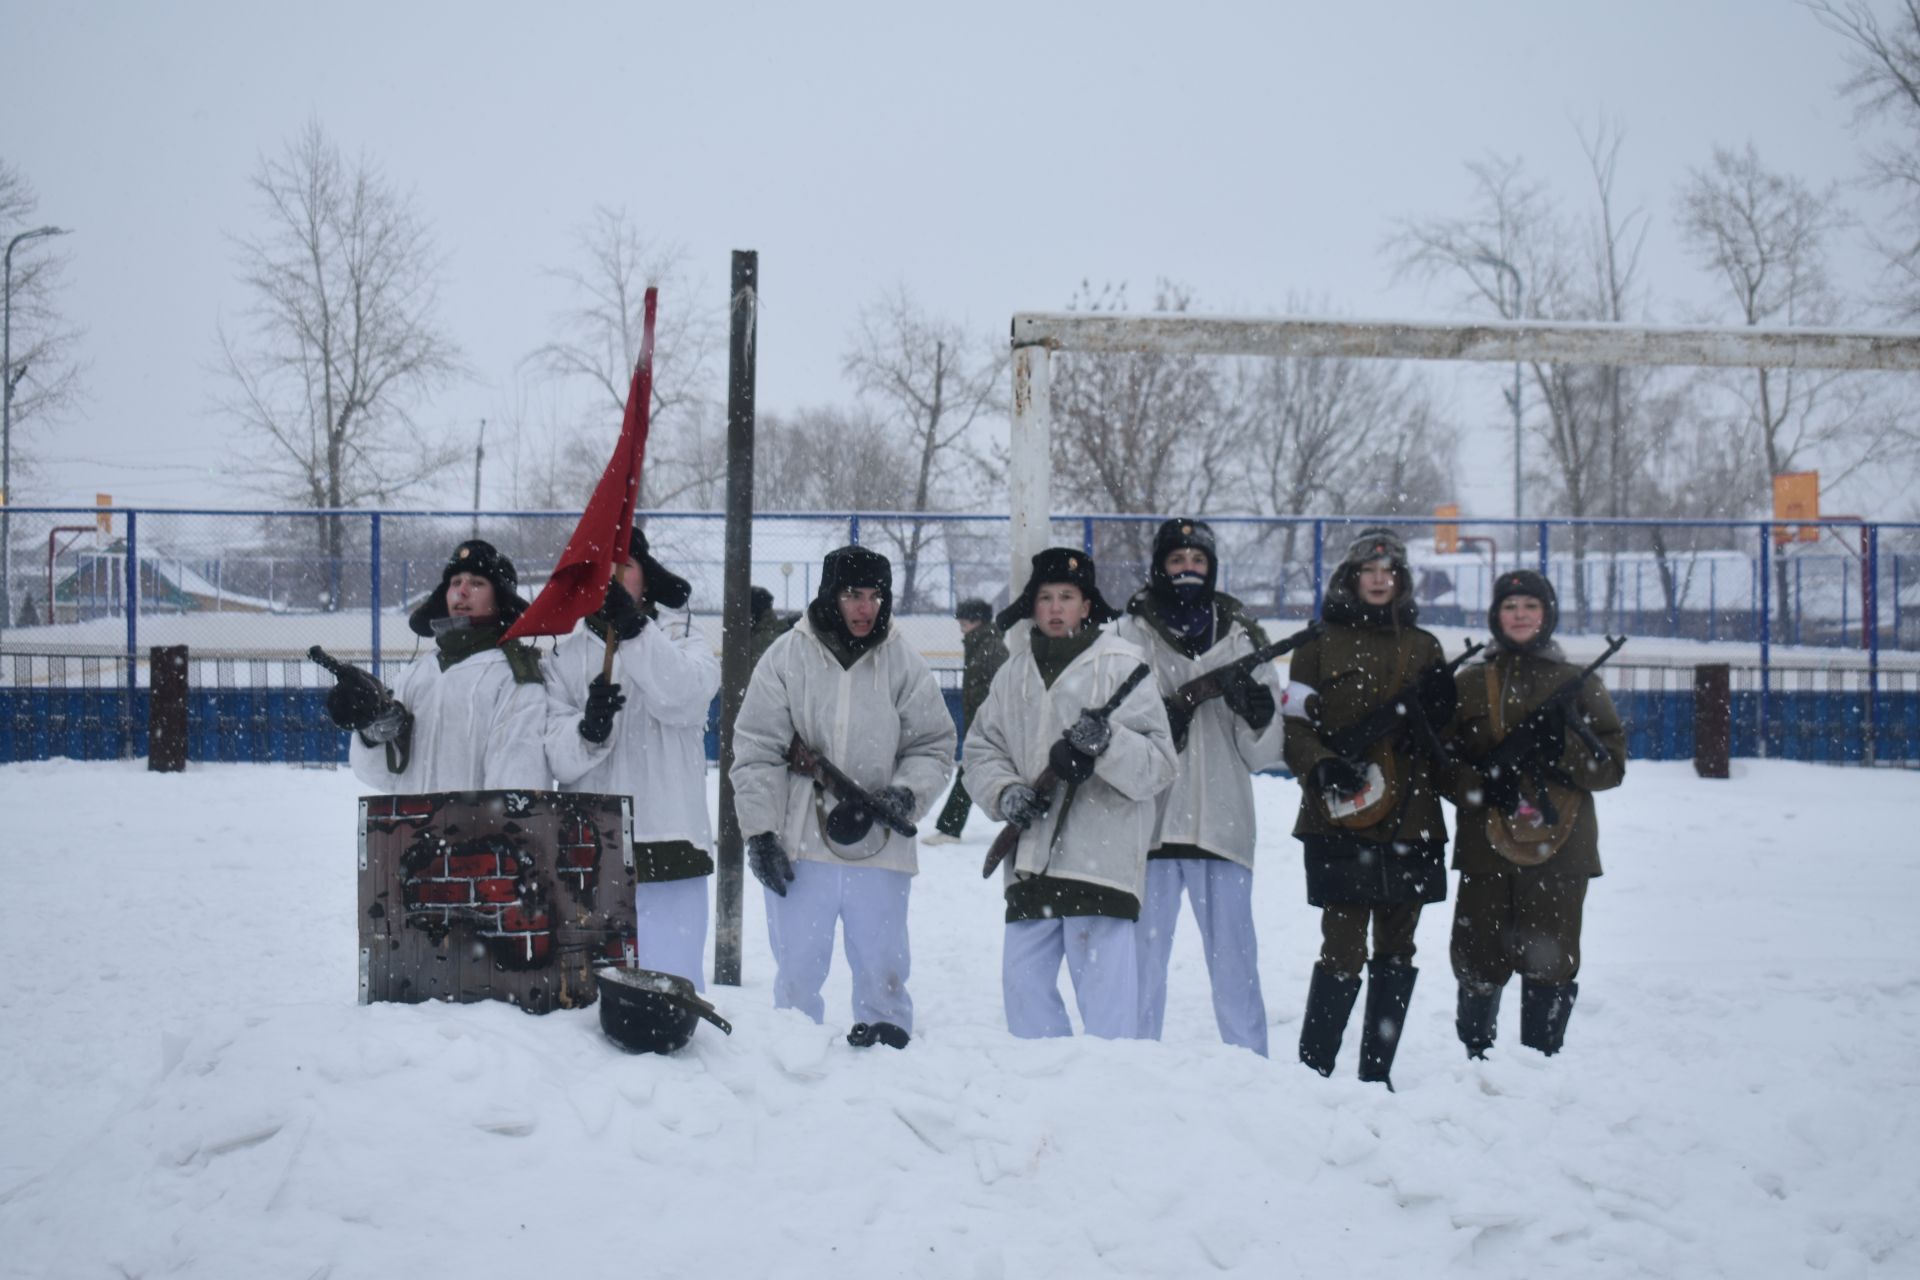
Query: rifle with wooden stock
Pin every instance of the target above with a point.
(1213, 684)
(1518, 757)
(1009, 837)
(804, 760)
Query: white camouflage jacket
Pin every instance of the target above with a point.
(1210, 804)
(1110, 822)
(474, 729)
(657, 752)
(882, 721)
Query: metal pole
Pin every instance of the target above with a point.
(1029, 462)
(736, 646)
(1870, 625)
(1501, 264)
(373, 590)
(1766, 632)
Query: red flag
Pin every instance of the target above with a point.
(578, 586)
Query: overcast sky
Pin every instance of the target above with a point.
(987, 156)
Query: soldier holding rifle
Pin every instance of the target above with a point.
(465, 716)
(1376, 692)
(1074, 710)
(1539, 736)
(841, 689)
(1204, 828)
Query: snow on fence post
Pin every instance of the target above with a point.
(167, 709)
(1712, 719)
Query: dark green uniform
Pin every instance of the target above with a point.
(1509, 918)
(985, 650)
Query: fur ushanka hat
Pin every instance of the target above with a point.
(1059, 564)
(474, 556)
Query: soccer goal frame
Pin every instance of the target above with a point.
(1038, 334)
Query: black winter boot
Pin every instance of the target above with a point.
(1389, 992)
(1477, 1016)
(867, 1034)
(1330, 998)
(1544, 1010)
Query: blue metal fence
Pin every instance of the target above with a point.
(247, 585)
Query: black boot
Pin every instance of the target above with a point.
(867, 1034)
(1389, 992)
(1477, 1016)
(1330, 998)
(1544, 1010)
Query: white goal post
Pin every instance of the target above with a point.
(1038, 334)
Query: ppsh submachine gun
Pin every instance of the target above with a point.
(1183, 701)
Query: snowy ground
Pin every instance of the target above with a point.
(191, 1089)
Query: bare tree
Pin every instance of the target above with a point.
(1515, 221)
(1154, 433)
(344, 336)
(47, 379)
(601, 341)
(933, 385)
(1763, 236)
(1885, 84)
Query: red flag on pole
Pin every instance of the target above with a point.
(579, 583)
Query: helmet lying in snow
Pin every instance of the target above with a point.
(644, 1011)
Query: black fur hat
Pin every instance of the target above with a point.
(852, 566)
(1059, 564)
(478, 557)
(663, 586)
(973, 610)
(1343, 604)
(1182, 531)
(1524, 582)
(759, 600)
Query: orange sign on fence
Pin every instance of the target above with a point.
(1446, 537)
(1796, 499)
(105, 518)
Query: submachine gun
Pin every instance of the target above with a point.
(1515, 753)
(1403, 709)
(1009, 837)
(1213, 684)
(854, 815)
(368, 700)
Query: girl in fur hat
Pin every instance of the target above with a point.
(1523, 879)
(1370, 821)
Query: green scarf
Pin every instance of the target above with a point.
(1054, 656)
(457, 644)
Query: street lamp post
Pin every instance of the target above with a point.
(9, 379)
(1501, 264)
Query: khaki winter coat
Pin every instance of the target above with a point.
(1352, 670)
(1210, 804)
(882, 721)
(1111, 816)
(1522, 682)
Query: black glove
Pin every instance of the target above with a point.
(1178, 718)
(1500, 788)
(768, 859)
(1069, 762)
(894, 803)
(1021, 805)
(1248, 698)
(355, 700)
(1438, 695)
(1338, 774)
(1090, 734)
(603, 700)
(621, 613)
(1541, 737)
(387, 726)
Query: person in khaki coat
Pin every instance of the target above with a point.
(1523, 880)
(1372, 828)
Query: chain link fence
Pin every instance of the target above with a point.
(88, 593)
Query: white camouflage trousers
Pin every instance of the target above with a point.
(670, 919)
(870, 905)
(1099, 951)
(1222, 897)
